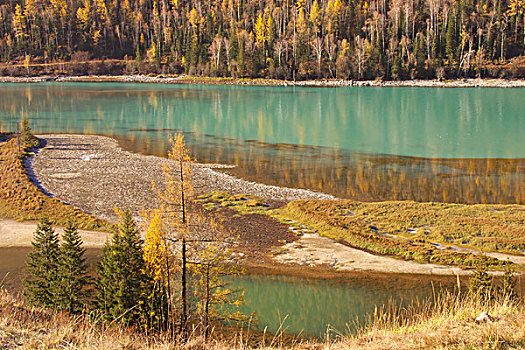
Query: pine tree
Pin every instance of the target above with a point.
(121, 286)
(25, 131)
(508, 285)
(72, 272)
(451, 40)
(41, 287)
(480, 284)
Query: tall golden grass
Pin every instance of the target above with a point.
(445, 322)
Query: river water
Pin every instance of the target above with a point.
(425, 144)
(302, 306)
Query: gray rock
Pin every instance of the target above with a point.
(484, 318)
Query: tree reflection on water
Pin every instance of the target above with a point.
(359, 176)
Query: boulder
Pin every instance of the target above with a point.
(484, 318)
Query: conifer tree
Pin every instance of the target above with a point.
(480, 284)
(72, 272)
(41, 287)
(121, 286)
(26, 130)
(508, 285)
(451, 40)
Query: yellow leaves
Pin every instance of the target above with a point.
(101, 9)
(29, 9)
(19, 23)
(61, 7)
(516, 7)
(96, 37)
(302, 26)
(195, 18)
(260, 31)
(156, 249)
(300, 5)
(345, 46)
(152, 52)
(83, 14)
(365, 7)
(315, 16)
(464, 35)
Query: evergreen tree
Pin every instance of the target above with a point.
(480, 284)
(508, 285)
(451, 40)
(420, 57)
(25, 132)
(41, 287)
(396, 67)
(121, 286)
(72, 272)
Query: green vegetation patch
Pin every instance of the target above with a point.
(375, 227)
(20, 199)
(243, 203)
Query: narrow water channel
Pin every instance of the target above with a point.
(301, 306)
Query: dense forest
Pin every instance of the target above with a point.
(284, 39)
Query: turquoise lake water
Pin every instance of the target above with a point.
(456, 145)
(303, 306)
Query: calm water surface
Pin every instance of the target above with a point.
(305, 306)
(455, 145)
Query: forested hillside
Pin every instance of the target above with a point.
(286, 39)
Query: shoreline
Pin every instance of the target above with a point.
(95, 174)
(329, 83)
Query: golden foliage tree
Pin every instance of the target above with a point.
(181, 239)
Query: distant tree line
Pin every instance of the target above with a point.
(286, 39)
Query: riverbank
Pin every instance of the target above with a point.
(95, 174)
(20, 234)
(186, 79)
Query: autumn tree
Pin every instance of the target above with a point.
(215, 300)
(265, 35)
(181, 235)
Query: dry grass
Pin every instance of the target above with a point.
(20, 199)
(446, 323)
(375, 226)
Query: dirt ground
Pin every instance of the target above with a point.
(20, 234)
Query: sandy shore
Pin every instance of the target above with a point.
(20, 234)
(184, 79)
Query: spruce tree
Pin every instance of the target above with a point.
(122, 281)
(25, 131)
(72, 272)
(41, 287)
(451, 40)
(480, 284)
(508, 285)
